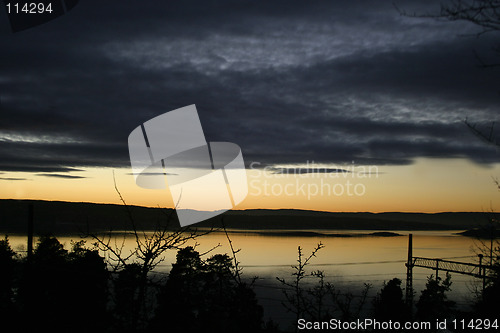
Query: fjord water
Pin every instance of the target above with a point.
(343, 259)
(347, 262)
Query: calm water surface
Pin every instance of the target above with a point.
(348, 262)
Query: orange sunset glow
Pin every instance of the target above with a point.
(429, 185)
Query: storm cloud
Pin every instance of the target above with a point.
(288, 81)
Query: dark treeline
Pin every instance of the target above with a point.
(56, 289)
(73, 290)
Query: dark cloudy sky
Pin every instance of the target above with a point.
(288, 81)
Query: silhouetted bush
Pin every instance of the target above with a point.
(488, 305)
(389, 303)
(433, 302)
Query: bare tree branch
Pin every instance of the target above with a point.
(149, 251)
(485, 14)
(489, 137)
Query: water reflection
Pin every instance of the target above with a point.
(345, 259)
(348, 262)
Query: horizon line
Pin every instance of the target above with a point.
(262, 209)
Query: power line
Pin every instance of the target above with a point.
(349, 263)
(331, 264)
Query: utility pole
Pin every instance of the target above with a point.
(30, 230)
(482, 270)
(409, 273)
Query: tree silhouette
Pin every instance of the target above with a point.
(206, 295)
(59, 288)
(7, 271)
(389, 303)
(433, 303)
(126, 290)
(88, 285)
(297, 300)
(487, 304)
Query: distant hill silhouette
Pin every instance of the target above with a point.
(59, 217)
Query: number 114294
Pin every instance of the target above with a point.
(28, 8)
(475, 324)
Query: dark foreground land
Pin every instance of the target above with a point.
(58, 289)
(103, 289)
